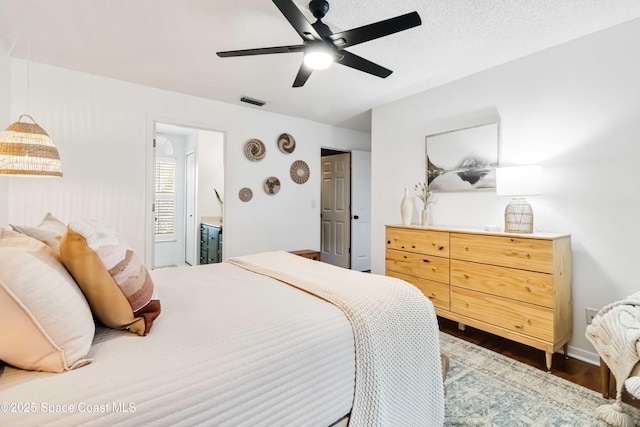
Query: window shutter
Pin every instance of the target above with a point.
(165, 177)
(165, 197)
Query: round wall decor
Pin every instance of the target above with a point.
(299, 172)
(286, 143)
(255, 150)
(272, 185)
(245, 194)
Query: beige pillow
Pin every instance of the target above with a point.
(49, 231)
(45, 321)
(113, 279)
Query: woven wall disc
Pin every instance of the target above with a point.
(286, 143)
(299, 172)
(272, 186)
(255, 150)
(245, 194)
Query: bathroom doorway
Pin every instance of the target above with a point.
(188, 171)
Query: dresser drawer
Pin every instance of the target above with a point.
(419, 265)
(516, 316)
(525, 253)
(438, 293)
(528, 286)
(420, 241)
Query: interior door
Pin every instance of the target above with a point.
(190, 208)
(361, 210)
(335, 235)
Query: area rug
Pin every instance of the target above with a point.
(487, 389)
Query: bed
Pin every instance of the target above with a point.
(257, 340)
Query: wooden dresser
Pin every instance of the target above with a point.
(517, 286)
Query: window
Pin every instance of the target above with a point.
(165, 204)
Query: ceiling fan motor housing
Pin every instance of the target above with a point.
(319, 8)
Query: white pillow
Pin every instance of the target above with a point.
(45, 321)
(49, 231)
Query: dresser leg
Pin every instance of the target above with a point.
(548, 357)
(565, 349)
(461, 326)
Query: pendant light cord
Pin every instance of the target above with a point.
(29, 74)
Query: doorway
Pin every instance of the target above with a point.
(335, 208)
(345, 214)
(189, 169)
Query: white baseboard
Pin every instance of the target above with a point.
(585, 356)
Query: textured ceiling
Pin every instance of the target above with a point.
(171, 44)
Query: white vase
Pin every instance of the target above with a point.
(425, 217)
(406, 208)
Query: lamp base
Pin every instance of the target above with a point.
(518, 216)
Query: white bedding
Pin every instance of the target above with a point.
(230, 348)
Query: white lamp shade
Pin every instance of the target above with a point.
(518, 180)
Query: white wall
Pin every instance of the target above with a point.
(5, 120)
(103, 129)
(575, 110)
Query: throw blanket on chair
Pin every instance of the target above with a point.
(615, 333)
(398, 368)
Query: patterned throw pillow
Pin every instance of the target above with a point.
(113, 279)
(45, 321)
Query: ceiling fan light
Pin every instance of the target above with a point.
(318, 59)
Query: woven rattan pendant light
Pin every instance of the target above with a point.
(26, 149)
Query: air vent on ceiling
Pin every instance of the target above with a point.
(253, 101)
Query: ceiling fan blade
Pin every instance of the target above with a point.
(261, 51)
(303, 75)
(297, 19)
(376, 30)
(354, 61)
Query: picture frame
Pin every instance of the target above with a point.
(463, 159)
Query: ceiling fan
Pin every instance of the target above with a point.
(322, 47)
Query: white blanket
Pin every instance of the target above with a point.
(398, 371)
(615, 333)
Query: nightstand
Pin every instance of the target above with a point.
(308, 253)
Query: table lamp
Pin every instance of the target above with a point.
(518, 181)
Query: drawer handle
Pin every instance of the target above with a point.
(432, 296)
(388, 242)
(466, 276)
(413, 246)
(440, 248)
(466, 248)
(517, 253)
(518, 326)
(425, 260)
(405, 257)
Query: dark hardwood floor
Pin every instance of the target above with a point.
(576, 371)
